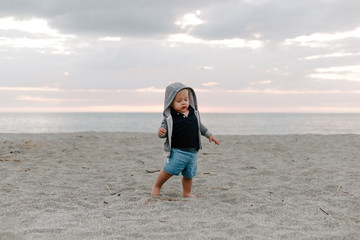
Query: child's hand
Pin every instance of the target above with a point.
(161, 131)
(212, 139)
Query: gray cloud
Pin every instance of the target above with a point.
(278, 19)
(116, 17)
(145, 58)
(275, 19)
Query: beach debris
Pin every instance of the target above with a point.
(337, 190)
(164, 199)
(249, 168)
(8, 160)
(211, 153)
(108, 188)
(175, 200)
(15, 152)
(112, 193)
(147, 201)
(118, 193)
(324, 211)
(152, 171)
(222, 188)
(207, 173)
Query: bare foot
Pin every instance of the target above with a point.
(155, 191)
(189, 195)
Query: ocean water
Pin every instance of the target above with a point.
(224, 124)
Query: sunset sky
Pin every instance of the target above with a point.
(239, 56)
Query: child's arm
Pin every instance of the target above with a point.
(205, 132)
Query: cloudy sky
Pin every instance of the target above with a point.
(239, 55)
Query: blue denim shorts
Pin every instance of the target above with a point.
(182, 161)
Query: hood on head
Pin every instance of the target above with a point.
(171, 92)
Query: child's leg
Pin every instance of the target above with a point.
(187, 184)
(162, 178)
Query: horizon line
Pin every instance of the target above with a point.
(202, 112)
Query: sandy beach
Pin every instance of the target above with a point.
(97, 186)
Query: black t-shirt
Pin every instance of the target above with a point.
(185, 130)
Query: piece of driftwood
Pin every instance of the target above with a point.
(164, 199)
(324, 211)
(222, 188)
(338, 189)
(8, 160)
(211, 153)
(110, 192)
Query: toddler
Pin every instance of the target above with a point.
(182, 129)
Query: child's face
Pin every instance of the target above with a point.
(181, 101)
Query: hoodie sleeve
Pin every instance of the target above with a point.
(164, 125)
(204, 131)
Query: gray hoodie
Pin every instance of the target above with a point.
(167, 122)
